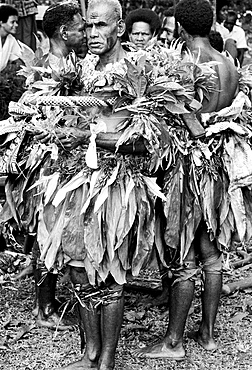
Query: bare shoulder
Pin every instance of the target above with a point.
(225, 66)
(226, 83)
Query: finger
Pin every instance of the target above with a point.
(41, 136)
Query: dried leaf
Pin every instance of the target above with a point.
(239, 316)
(23, 330)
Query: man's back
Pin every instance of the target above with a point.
(227, 76)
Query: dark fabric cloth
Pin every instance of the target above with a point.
(27, 29)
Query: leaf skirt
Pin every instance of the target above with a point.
(104, 218)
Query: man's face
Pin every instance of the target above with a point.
(101, 29)
(222, 15)
(140, 34)
(76, 37)
(229, 23)
(10, 27)
(168, 27)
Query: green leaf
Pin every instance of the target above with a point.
(178, 108)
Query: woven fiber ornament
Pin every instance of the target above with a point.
(71, 101)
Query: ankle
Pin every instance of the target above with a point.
(205, 333)
(174, 343)
(107, 361)
(92, 355)
(109, 366)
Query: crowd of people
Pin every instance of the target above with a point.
(128, 153)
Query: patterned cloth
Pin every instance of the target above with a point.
(24, 7)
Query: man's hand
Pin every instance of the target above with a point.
(43, 137)
(71, 137)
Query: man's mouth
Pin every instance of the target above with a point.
(94, 44)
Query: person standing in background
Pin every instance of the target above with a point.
(10, 49)
(27, 25)
(168, 27)
(236, 33)
(141, 25)
(11, 54)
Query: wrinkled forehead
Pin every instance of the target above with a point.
(141, 27)
(100, 13)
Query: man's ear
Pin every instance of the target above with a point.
(185, 36)
(63, 32)
(121, 27)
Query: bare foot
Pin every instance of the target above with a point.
(208, 344)
(53, 322)
(83, 364)
(160, 350)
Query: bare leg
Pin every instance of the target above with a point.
(90, 320)
(210, 304)
(211, 293)
(102, 329)
(181, 295)
(45, 309)
(111, 318)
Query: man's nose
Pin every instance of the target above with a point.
(93, 31)
(163, 35)
(140, 36)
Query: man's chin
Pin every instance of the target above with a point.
(140, 46)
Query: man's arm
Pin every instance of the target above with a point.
(108, 141)
(240, 55)
(76, 137)
(230, 46)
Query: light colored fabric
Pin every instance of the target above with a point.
(222, 30)
(239, 36)
(10, 51)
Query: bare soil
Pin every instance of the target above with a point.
(24, 346)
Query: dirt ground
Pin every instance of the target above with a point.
(23, 346)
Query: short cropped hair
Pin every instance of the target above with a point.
(216, 40)
(6, 11)
(143, 15)
(169, 12)
(57, 15)
(115, 5)
(195, 16)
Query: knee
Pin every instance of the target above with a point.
(187, 271)
(213, 264)
(94, 296)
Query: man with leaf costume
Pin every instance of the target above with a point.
(96, 205)
(208, 195)
(46, 73)
(98, 211)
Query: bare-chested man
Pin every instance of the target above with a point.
(98, 258)
(195, 19)
(64, 26)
